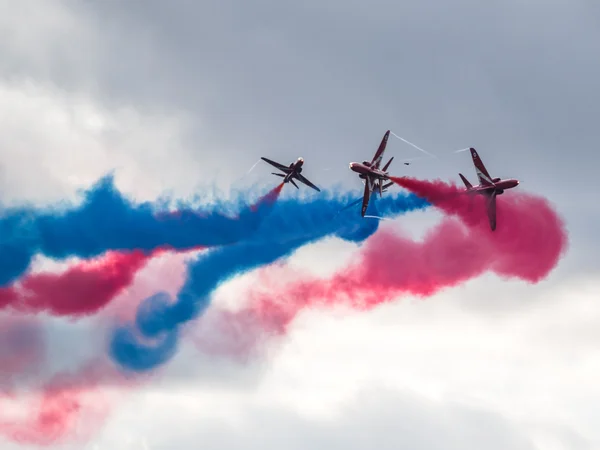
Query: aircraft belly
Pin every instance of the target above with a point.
(361, 169)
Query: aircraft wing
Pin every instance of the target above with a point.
(306, 182)
(365, 202)
(491, 210)
(484, 177)
(276, 164)
(379, 154)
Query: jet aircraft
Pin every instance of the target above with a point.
(488, 186)
(371, 175)
(292, 171)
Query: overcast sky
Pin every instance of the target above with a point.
(178, 96)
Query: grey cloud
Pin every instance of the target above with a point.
(336, 73)
(325, 79)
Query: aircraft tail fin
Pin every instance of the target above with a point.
(464, 180)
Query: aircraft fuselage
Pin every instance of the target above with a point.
(366, 171)
(296, 167)
(499, 186)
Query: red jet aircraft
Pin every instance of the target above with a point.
(371, 175)
(488, 186)
(292, 171)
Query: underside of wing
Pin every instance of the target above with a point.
(304, 180)
(491, 210)
(379, 153)
(276, 164)
(366, 196)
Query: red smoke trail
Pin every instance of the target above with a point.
(70, 406)
(44, 412)
(237, 335)
(529, 230)
(21, 350)
(80, 290)
(269, 198)
(527, 245)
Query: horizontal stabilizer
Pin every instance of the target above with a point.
(278, 174)
(465, 181)
(385, 168)
(385, 186)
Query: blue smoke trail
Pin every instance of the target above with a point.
(106, 220)
(289, 225)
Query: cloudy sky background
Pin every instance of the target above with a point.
(177, 97)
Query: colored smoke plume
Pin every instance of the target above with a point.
(106, 220)
(290, 225)
(22, 350)
(527, 246)
(70, 406)
(31, 412)
(41, 409)
(530, 236)
(81, 290)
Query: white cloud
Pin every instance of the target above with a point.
(419, 373)
(486, 363)
(55, 142)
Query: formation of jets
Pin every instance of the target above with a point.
(378, 180)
